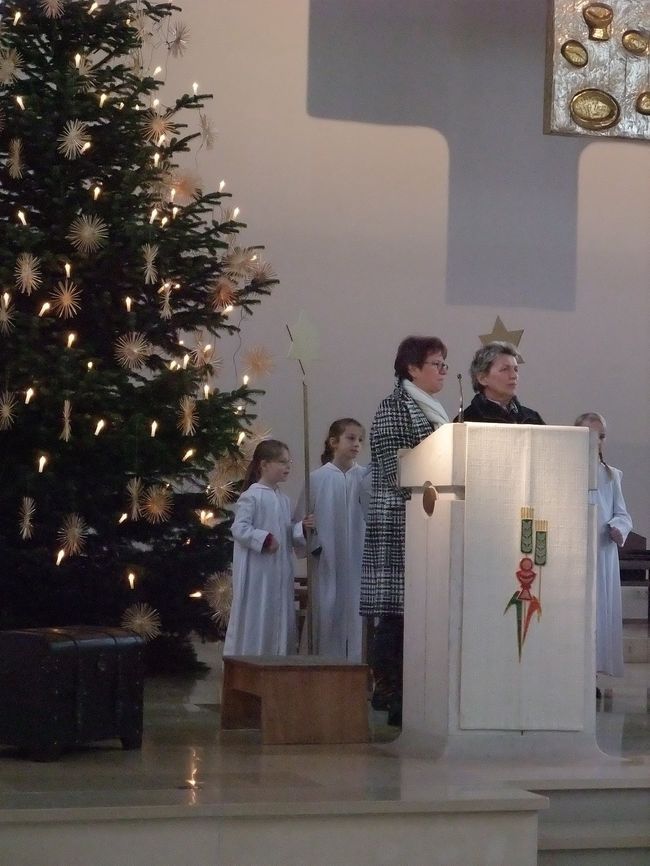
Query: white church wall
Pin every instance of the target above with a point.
(390, 157)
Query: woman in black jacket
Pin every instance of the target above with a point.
(495, 375)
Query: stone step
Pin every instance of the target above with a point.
(599, 827)
(636, 647)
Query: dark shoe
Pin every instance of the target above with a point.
(380, 702)
(395, 716)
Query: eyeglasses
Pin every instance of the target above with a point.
(441, 365)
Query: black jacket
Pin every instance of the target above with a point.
(482, 409)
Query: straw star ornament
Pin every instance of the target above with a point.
(65, 299)
(143, 620)
(6, 316)
(135, 489)
(188, 416)
(187, 185)
(28, 273)
(51, 8)
(66, 432)
(179, 39)
(73, 139)
(150, 253)
(208, 134)
(157, 504)
(88, 233)
(165, 303)
(10, 64)
(157, 125)
(224, 294)
(72, 534)
(26, 517)
(132, 350)
(258, 361)
(15, 159)
(221, 486)
(218, 594)
(262, 272)
(84, 69)
(7, 410)
(239, 262)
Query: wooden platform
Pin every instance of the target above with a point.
(296, 699)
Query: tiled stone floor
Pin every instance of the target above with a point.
(186, 759)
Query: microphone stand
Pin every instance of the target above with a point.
(461, 408)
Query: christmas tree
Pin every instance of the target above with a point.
(118, 276)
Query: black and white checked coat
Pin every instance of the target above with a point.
(398, 423)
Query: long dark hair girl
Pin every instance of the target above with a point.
(268, 449)
(337, 429)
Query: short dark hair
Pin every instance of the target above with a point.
(415, 351)
(486, 356)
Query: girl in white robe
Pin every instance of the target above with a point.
(263, 616)
(614, 524)
(336, 493)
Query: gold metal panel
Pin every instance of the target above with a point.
(598, 68)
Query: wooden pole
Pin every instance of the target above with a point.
(310, 599)
(305, 424)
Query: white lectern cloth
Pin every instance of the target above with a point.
(506, 470)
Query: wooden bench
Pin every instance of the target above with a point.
(296, 699)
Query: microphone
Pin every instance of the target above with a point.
(461, 408)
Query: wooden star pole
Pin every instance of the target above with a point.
(305, 443)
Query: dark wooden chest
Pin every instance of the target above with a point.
(61, 687)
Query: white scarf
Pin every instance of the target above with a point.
(433, 410)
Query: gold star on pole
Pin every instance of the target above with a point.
(500, 332)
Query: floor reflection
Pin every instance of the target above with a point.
(185, 757)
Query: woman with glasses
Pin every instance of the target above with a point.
(403, 420)
(495, 375)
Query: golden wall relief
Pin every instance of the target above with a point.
(598, 68)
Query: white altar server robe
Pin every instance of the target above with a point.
(338, 550)
(263, 615)
(609, 618)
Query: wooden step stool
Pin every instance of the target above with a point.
(296, 699)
